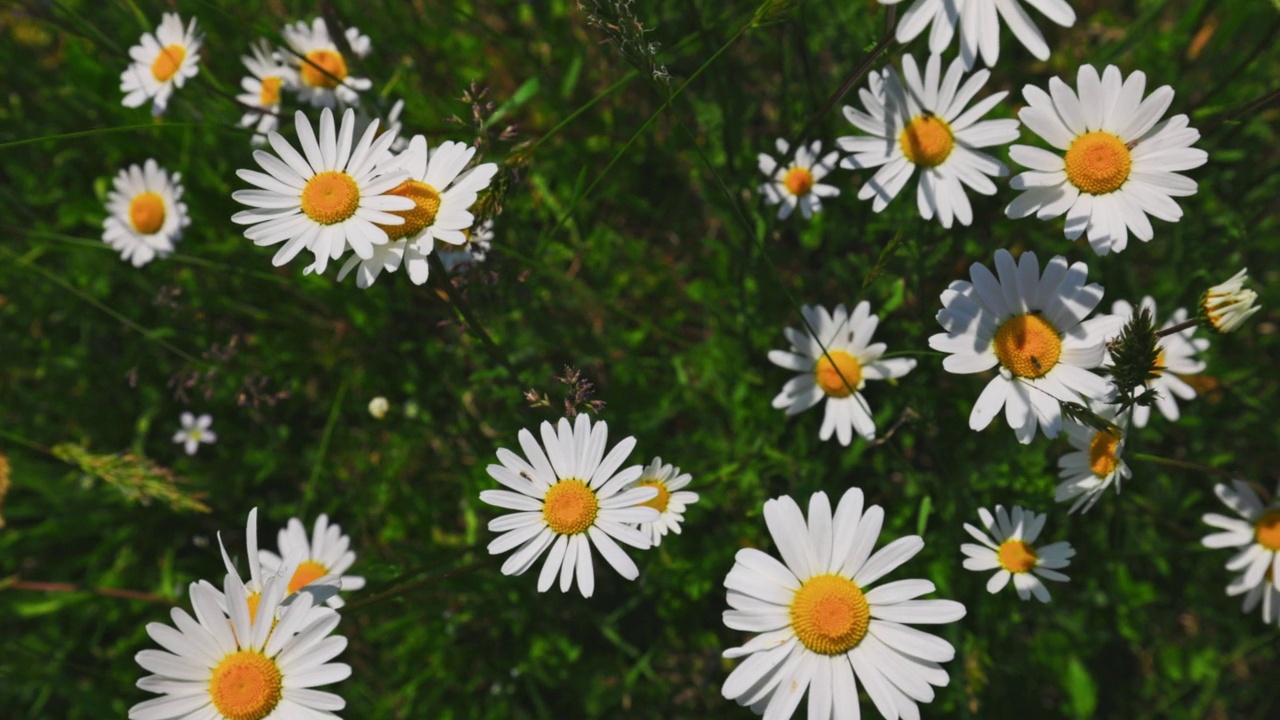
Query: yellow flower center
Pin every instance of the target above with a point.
(927, 140)
(168, 62)
(659, 501)
(1028, 345)
(246, 685)
(798, 181)
(1098, 163)
(833, 369)
(270, 93)
(325, 68)
(330, 197)
(1158, 368)
(1016, 556)
(570, 507)
(146, 213)
(1267, 530)
(426, 203)
(1102, 453)
(308, 572)
(830, 614)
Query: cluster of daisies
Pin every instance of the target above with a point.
(354, 185)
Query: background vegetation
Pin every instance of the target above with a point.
(631, 245)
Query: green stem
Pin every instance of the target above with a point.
(98, 131)
(1193, 322)
(589, 104)
(854, 76)
(334, 411)
(398, 590)
(473, 324)
(1184, 465)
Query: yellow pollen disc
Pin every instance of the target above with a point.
(831, 381)
(1098, 163)
(270, 93)
(570, 507)
(146, 213)
(830, 614)
(1159, 367)
(330, 197)
(1267, 530)
(246, 685)
(334, 72)
(308, 572)
(798, 181)
(1102, 453)
(1017, 556)
(1028, 345)
(168, 62)
(927, 140)
(426, 203)
(659, 501)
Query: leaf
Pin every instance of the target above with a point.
(1080, 688)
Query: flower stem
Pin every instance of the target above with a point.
(1193, 322)
(1184, 465)
(403, 588)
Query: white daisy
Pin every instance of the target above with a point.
(228, 663)
(442, 193)
(1174, 359)
(268, 76)
(333, 198)
(322, 69)
(820, 628)
(839, 373)
(195, 430)
(671, 500)
(1120, 163)
(797, 183)
(980, 25)
(161, 62)
(147, 215)
(1264, 593)
(1257, 535)
(479, 243)
(1228, 305)
(922, 122)
(1009, 550)
(326, 554)
(569, 499)
(1095, 465)
(1033, 328)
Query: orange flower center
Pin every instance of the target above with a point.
(1267, 530)
(833, 369)
(829, 614)
(146, 213)
(659, 501)
(308, 572)
(324, 68)
(1102, 453)
(927, 140)
(168, 62)
(1098, 163)
(246, 685)
(1159, 367)
(1016, 556)
(330, 197)
(270, 93)
(798, 181)
(570, 507)
(1028, 346)
(426, 203)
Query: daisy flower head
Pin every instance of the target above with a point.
(1176, 357)
(326, 554)
(1032, 328)
(1256, 533)
(672, 500)
(323, 72)
(330, 197)
(479, 243)
(1095, 464)
(835, 362)
(1007, 547)
(979, 23)
(268, 76)
(913, 121)
(146, 213)
(796, 184)
(442, 191)
(820, 628)
(230, 663)
(1120, 162)
(1264, 593)
(195, 430)
(161, 62)
(569, 499)
(1228, 305)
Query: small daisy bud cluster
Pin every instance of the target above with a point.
(1226, 306)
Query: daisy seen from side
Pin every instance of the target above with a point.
(913, 121)
(326, 554)
(146, 213)
(796, 184)
(268, 78)
(1007, 547)
(671, 501)
(1256, 533)
(1120, 162)
(979, 24)
(161, 62)
(569, 499)
(820, 628)
(324, 73)
(1176, 358)
(1096, 462)
(194, 431)
(1226, 306)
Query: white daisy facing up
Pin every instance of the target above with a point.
(1257, 534)
(821, 629)
(1175, 358)
(442, 193)
(195, 430)
(230, 663)
(1009, 550)
(324, 76)
(979, 23)
(1095, 464)
(1120, 163)
(326, 554)
(161, 62)
(333, 198)
(569, 499)
(796, 184)
(840, 373)
(1032, 328)
(147, 214)
(1264, 593)
(672, 500)
(268, 76)
(921, 122)
(479, 243)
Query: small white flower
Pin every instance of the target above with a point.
(672, 500)
(323, 71)
(195, 431)
(797, 183)
(980, 25)
(326, 555)
(1175, 358)
(1009, 550)
(479, 243)
(1095, 465)
(161, 62)
(378, 407)
(1228, 305)
(147, 214)
(268, 76)
(1257, 534)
